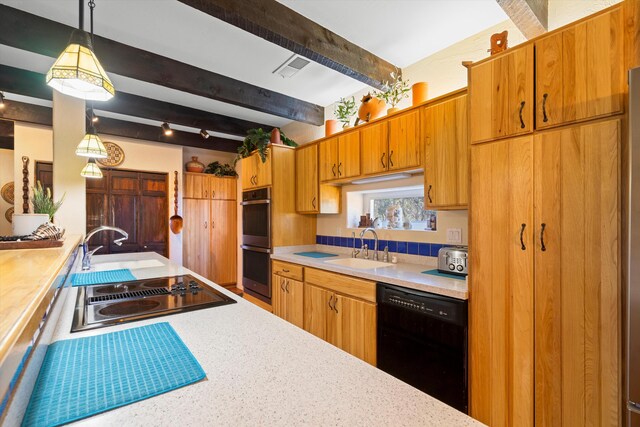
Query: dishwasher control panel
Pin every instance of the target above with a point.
(439, 306)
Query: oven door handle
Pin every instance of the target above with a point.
(256, 249)
(256, 202)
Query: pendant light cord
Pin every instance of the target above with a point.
(92, 4)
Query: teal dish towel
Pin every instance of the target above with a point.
(86, 376)
(315, 254)
(100, 277)
(448, 276)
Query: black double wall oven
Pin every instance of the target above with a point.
(256, 243)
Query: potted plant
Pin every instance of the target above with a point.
(258, 139)
(218, 169)
(394, 91)
(43, 207)
(345, 109)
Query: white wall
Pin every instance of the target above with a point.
(6, 176)
(35, 142)
(207, 156)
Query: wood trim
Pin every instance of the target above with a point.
(263, 305)
(346, 285)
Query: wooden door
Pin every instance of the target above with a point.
(124, 206)
(262, 169)
(328, 164)
(196, 186)
(248, 172)
(520, 91)
(154, 215)
(349, 155)
(316, 310)
(405, 141)
(44, 174)
(307, 200)
(222, 188)
(501, 283)
(446, 154)
(374, 145)
(223, 246)
(196, 236)
(549, 81)
(577, 301)
(351, 326)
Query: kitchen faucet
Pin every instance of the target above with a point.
(86, 259)
(366, 247)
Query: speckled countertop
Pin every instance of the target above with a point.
(262, 370)
(401, 274)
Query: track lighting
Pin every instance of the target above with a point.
(1, 100)
(166, 129)
(204, 134)
(94, 118)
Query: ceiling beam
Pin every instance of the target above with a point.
(41, 115)
(29, 83)
(34, 33)
(280, 25)
(530, 16)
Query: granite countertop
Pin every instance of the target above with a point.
(402, 274)
(262, 370)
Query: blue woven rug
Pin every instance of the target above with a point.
(96, 277)
(315, 254)
(86, 376)
(435, 272)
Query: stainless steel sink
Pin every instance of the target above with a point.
(359, 263)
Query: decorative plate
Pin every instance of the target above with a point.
(115, 155)
(7, 192)
(9, 215)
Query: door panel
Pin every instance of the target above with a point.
(222, 188)
(349, 155)
(480, 101)
(549, 81)
(354, 328)
(405, 141)
(520, 89)
(329, 159)
(196, 237)
(124, 214)
(316, 310)
(196, 186)
(307, 179)
(374, 142)
(224, 242)
(294, 290)
(153, 224)
(278, 302)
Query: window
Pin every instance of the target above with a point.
(399, 209)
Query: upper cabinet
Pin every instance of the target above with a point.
(311, 196)
(580, 72)
(255, 173)
(340, 157)
(375, 141)
(501, 95)
(205, 186)
(446, 154)
(405, 144)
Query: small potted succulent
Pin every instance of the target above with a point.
(258, 139)
(345, 110)
(394, 91)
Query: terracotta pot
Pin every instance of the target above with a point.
(331, 127)
(275, 136)
(392, 110)
(194, 165)
(419, 92)
(371, 108)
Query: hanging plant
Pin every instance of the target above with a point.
(345, 109)
(218, 169)
(395, 90)
(258, 139)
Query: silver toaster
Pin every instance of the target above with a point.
(454, 260)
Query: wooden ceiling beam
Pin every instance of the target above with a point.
(41, 115)
(280, 25)
(34, 33)
(530, 16)
(29, 83)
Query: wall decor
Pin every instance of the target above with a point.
(9, 215)
(7, 192)
(115, 155)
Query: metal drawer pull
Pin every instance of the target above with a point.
(544, 108)
(284, 270)
(286, 286)
(205, 193)
(333, 169)
(521, 120)
(205, 224)
(213, 194)
(330, 299)
(429, 194)
(524, 248)
(382, 160)
(282, 284)
(542, 246)
(390, 159)
(313, 203)
(335, 302)
(339, 167)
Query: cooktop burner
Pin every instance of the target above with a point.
(98, 306)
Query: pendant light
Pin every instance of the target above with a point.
(91, 145)
(91, 170)
(77, 71)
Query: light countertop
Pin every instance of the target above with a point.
(401, 274)
(262, 370)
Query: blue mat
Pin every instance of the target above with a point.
(448, 276)
(315, 254)
(99, 277)
(86, 376)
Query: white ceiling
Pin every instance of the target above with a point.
(400, 31)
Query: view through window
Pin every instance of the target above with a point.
(401, 209)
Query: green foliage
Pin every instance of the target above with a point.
(43, 202)
(218, 169)
(345, 109)
(258, 139)
(394, 91)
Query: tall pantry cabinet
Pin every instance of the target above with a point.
(545, 240)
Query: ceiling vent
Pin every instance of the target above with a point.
(291, 66)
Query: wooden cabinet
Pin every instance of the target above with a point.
(196, 236)
(205, 186)
(375, 143)
(256, 173)
(224, 242)
(405, 142)
(340, 157)
(329, 159)
(311, 196)
(223, 188)
(545, 289)
(288, 299)
(501, 95)
(446, 154)
(580, 72)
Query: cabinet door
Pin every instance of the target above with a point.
(316, 307)
(278, 299)
(374, 143)
(405, 142)
(329, 159)
(520, 94)
(446, 154)
(307, 200)
(153, 224)
(196, 186)
(262, 169)
(351, 326)
(124, 204)
(577, 314)
(248, 172)
(501, 284)
(349, 155)
(549, 81)
(222, 188)
(294, 291)
(195, 249)
(224, 243)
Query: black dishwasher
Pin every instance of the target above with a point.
(422, 340)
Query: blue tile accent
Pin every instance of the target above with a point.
(323, 240)
(382, 244)
(435, 247)
(414, 248)
(344, 242)
(402, 247)
(318, 240)
(330, 240)
(358, 243)
(393, 246)
(424, 249)
(350, 241)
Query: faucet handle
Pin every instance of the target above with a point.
(90, 253)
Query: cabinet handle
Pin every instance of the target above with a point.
(330, 299)
(205, 194)
(520, 113)
(429, 194)
(544, 108)
(313, 203)
(390, 159)
(524, 248)
(213, 194)
(382, 160)
(205, 224)
(213, 224)
(333, 169)
(339, 169)
(282, 284)
(542, 246)
(284, 270)
(335, 302)
(286, 286)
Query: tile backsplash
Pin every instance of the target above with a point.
(396, 246)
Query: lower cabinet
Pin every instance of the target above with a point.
(287, 299)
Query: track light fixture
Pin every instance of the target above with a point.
(92, 116)
(1, 100)
(204, 134)
(166, 129)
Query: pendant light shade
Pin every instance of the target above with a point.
(91, 170)
(91, 146)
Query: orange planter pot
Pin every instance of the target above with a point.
(331, 127)
(419, 92)
(392, 110)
